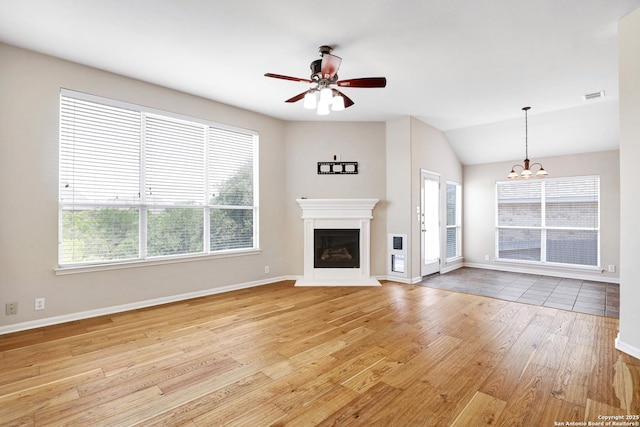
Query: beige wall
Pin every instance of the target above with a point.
(413, 146)
(479, 202)
(29, 105)
(308, 143)
(629, 69)
(398, 153)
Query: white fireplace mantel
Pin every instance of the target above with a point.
(337, 208)
(337, 213)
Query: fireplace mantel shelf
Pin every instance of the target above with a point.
(337, 208)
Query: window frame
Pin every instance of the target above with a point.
(543, 228)
(143, 207)
(458, 221)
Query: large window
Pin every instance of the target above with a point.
(551, 221)
(137, 184)
(454, 220)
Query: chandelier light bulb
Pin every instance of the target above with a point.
(542, 173)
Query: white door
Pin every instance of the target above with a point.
(430, 223)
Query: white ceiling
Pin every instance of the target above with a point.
(466, 67)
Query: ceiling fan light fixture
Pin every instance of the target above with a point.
(322, 95)
(310, 100)
(323, 108)
(338, 103)
(326, 95)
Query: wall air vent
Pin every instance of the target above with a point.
(592, 96)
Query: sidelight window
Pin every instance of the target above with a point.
(454, 220)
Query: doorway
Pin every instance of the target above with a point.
(430, 222)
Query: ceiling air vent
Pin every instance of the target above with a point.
(592, 96)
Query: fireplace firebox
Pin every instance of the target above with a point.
(336, 248)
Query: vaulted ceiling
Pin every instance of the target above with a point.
(466, 67)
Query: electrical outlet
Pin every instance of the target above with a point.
(486, 257)
(612, 268)
(39, 305)
(11, 308)
(266, 269)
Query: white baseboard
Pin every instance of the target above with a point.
(626, 348)
(398, 279)
(451, 267)
(569, 274)
(367, 281)
(133, 306)
(414, 280)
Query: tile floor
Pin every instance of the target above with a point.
(583, 296)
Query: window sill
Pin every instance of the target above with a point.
(89, 268)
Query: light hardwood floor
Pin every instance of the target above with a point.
(396, 355)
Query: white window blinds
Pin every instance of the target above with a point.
(174, 162)
(572, 216)
(136, 184)
(549, 221)
(99, 153)
(231, 178)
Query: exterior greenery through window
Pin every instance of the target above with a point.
(454, 220)
(136, 184)
(551, 221)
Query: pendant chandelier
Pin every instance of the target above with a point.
(526, 167)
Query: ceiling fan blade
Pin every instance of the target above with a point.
(364, 82)
(330, 65)
(297, 98)
(348, 102)
(294, 79)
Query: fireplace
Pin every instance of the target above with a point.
(337, 242)
(336, 248)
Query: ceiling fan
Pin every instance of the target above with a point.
(324, 76)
